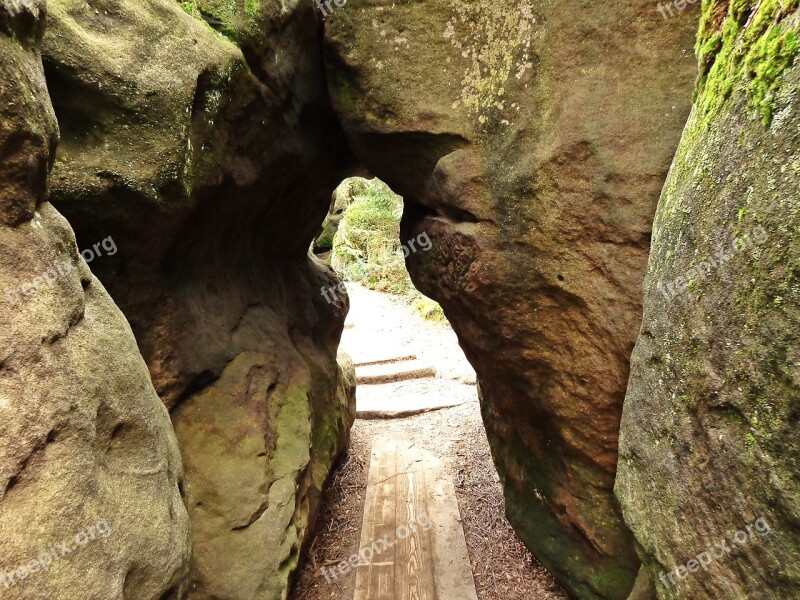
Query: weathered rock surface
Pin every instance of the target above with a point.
(530, 140)
(244, 494)
(709, 434)
(343, 196)
(209, 157)
(643, 588)
(90, 472)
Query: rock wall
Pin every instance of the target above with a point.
(202, 143)
(708, 477)
(90, 473)
(343, 196)
(530, 140)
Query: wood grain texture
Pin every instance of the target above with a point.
(412, 528)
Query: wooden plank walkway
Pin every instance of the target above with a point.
(412, 542)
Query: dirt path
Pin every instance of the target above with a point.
(381, 326)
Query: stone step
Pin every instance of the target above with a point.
(393, 371)
(409, 398)
(386, 361)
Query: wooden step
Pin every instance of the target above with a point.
(413, 525)
(408, 398)
(386, 361)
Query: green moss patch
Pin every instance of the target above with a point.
(236, 20)
(750, 46)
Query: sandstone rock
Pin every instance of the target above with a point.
(530, 140)
(343, 197)
(643, 586)
(209, 156)
(28, 126)
(346, 389)
(248, 441)
(709, 433)
(90, 471)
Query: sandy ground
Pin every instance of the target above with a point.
(379, 327)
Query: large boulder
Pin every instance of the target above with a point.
(201, 140)
(246, 493)
(530, 141)
(709, 475)
(90, 473)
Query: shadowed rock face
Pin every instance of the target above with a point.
(89, 464)
(709, 434)
(530, 141)
(210, 164)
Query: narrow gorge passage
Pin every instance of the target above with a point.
(419, 475)
(602, 198)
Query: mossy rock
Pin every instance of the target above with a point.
(708, 441)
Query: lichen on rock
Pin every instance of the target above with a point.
(708, 443)
(496, 39)
(537, 193)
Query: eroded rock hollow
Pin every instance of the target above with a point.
(90, 470)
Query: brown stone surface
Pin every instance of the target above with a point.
(709, 443)
(530, 140)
